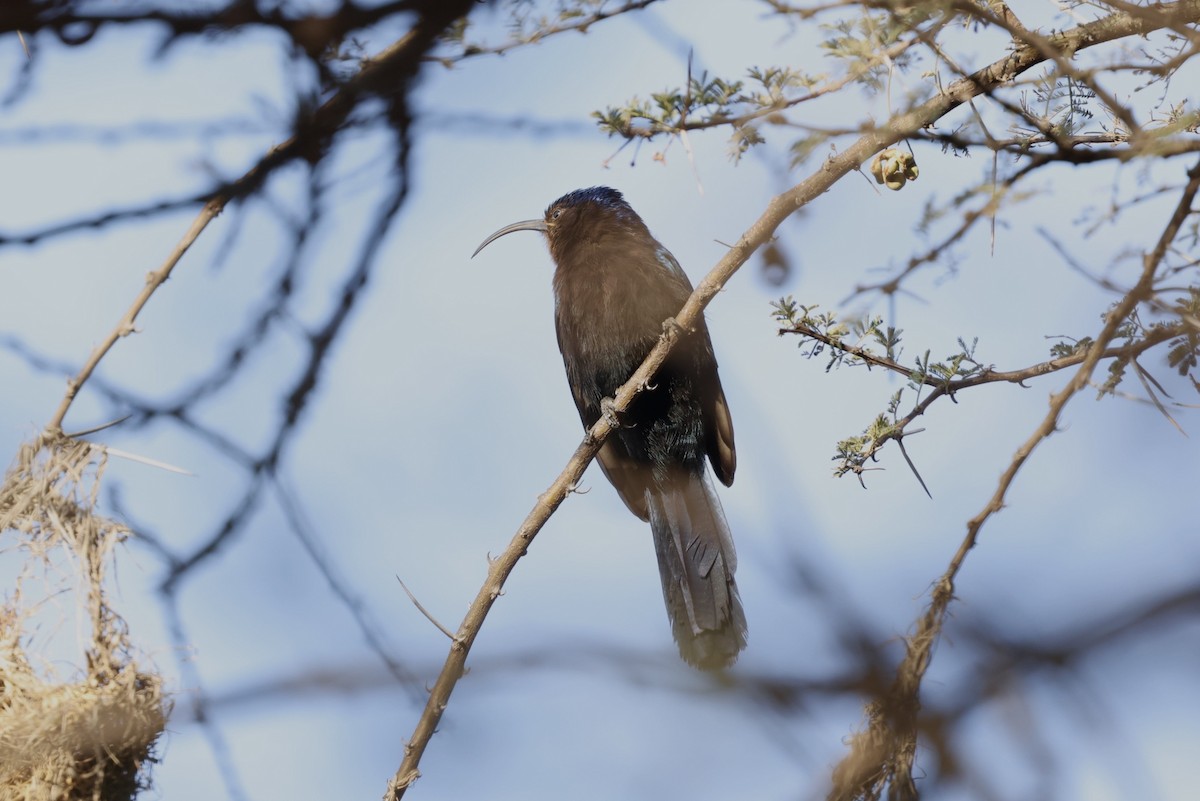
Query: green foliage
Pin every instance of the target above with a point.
(853, 453)
(706, 102)
(865, 341)
(821, 330)
(1069, 347)
(858, 42)
(1057, 106)
(1184, 353)
(961, 364)
(804, 147)
(1130, 330)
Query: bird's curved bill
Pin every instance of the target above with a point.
(523, 225)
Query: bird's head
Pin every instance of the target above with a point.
(583, 216)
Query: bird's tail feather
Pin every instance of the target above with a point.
(696, 561)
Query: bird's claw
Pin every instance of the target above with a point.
(608, 408)
(670, 326)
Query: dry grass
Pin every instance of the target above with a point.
(90, 736)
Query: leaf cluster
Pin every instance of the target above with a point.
(865, 341)
(1184, 353)
(709, 101)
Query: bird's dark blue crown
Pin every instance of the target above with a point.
(603, 196)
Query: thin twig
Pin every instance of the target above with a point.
(146, 460)
(892, 51)
(424, 611)
(381, 73)
(576, 24)
(303, 530)
(101, 427)
(126, 325)
(1154, 336)
(1146, 379)
(911, 466)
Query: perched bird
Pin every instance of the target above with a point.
(614, 288)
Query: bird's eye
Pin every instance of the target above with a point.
(556, 214)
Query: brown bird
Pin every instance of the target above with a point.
(614, 287)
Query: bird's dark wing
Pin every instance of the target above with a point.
(718, 423)
(718, 432)
(628, 477)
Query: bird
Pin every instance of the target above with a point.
(615, 287)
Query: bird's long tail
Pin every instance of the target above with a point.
(696, 561)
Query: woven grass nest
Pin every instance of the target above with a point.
(92, 734)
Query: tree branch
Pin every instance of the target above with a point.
(394, 67)
(577, 24)
(884, 754)
(1155, 335)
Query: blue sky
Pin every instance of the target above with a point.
(444, 413)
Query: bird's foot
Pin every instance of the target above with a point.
(608, 408)
(671, 327)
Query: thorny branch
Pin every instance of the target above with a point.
(127, 324)
(884, 754)
(652, 129)
(950, 387)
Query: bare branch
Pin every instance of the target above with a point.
(395, 66)
(127, 324)
(580, 24)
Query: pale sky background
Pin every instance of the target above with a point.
(443, 413)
